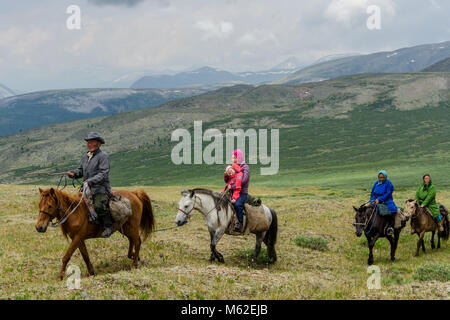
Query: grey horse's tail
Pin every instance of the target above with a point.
(271, 236)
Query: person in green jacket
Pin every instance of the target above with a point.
(426, 197)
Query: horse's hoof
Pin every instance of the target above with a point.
(61, 276)
(370, 262)
(132, 257)
(392, 258)
(221, 260)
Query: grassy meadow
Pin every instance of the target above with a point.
(319, 257)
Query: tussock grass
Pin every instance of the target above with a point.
(433, 271)
(315, 243)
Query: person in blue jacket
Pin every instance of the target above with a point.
(382, 193)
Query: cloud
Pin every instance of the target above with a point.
(38, 52)
(126, 3)
(212, 30)
(257, 38)
(347, 11)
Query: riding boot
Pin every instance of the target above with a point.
(237, 226)
(108, 226)
(440, 223)
(390, 228)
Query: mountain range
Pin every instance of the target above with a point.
(411, 59)
(211, 77)
(31, 110)
(5, 91)
(441, 66)
(332, 133)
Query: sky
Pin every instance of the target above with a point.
(121, 39)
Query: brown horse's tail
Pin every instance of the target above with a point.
(147, 219)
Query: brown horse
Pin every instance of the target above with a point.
(71, 213)
(422, 222)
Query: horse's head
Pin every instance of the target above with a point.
(410, 208)
(185, 207)
(361, 217)
(48, 209)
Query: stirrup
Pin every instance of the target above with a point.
(107, 232)
(390, 231)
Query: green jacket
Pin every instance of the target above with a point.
(426, 196)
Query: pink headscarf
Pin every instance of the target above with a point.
(239, 155)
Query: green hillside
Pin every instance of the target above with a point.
(335, 133)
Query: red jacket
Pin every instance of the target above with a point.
(235, 181)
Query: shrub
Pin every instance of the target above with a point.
(263, 257)
(432, 271)
(315, 243)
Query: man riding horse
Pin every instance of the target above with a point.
(94, 169)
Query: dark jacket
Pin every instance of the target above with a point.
(95, 172)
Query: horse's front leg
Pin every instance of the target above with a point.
(215, 237)
(371, 244)
(73, 246)
(392, 242)
(420, 242)
(259, 239)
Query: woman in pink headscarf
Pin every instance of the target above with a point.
(238, 157)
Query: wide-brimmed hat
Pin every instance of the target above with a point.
(95, 136)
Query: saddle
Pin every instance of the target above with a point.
(254, 219)
(119, 207)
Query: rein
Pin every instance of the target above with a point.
(367, 221)
(188, 214)
(66, 215)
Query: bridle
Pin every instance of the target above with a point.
(65, 214)
(188, 214)
(367, 220)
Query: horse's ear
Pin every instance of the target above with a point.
(184, 192)
(52, 192)
(40, 190)
(355, 208)
(192, 193)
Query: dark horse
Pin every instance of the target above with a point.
(374, 226)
